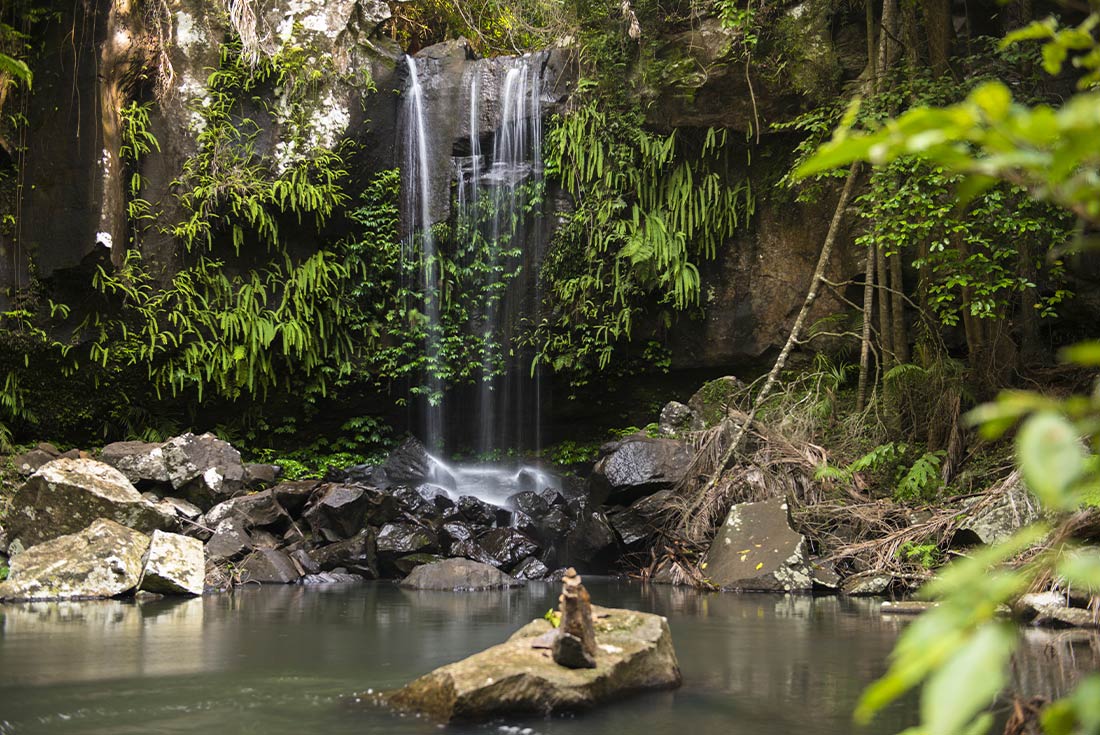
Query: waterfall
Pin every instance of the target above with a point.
(417, 203)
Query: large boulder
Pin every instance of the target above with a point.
(255, 510)
(102, 560)
(141, 462)
(67, 495)
(756, 549)
(269, 566)
(713, 401)
(634, 654)
(508, 546)
(174, 564)
(589, 542)
(358, 554)
(411, 464)
(637, 466)
(205, 469)
(994, 517)
(458, 574)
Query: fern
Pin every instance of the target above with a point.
(922, 479)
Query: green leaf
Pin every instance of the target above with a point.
(1082, 568)
(1051, 458)
(969, 681)
(1086, 354)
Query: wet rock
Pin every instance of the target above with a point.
(589, 542)
(203, 468)
(555, 524)
(30, 462)
(412, 464)
(634, 653)
(476, 511)
(229, 541)
(357, 554)
(141, 462)
(269, 566)
(437, 495)
(867, 584)
(653, 507)
(712, 402)
(676, 420)
(174, 564)
(825, 578)
(261, 475)
(531, 568)
(637, 466)
(1053, 609)
(473, 551)
(262, 539)
(455, 531)
(306, 564)
(413, 502)
(102, 560)
(631, 527)
(405, 538)
(458, 574)
(330, 578)
(341, 509)
(255, 511)
(905, 607)
(523, 523)
(530, 503)
(756, 549)
(293, 496)
(408, 563)
(508, 546)
(67, 495)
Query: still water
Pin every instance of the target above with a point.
(287, 660)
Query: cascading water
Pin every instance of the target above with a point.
(417, 203)
(493, 199)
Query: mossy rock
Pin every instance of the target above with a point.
(711, 402)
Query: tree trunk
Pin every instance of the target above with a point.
(899, 339)
(885, 332)
(865, 339)
(940, 34)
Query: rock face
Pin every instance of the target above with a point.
(458, 574)
(67, 495)
(637, 466)
(174, 564)
(103, 560)
(634, 654)
(755, 549)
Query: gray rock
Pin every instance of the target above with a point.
(255, 511)
(995, 521)
(825, 578)
(205, 469)
(174, 564)
(630, 525)
(476, 511)
(411, 464)
(269, 566)
(102, 560)
(756, 549)
(405, 538)
(141, 462)
(530, 503)
(294, 496)
(183, 508)
(330, 578)
(472, 550)
(230, 540)
(28, 463)
(507, 546)
(1053, 609)
(358, 554)
(590, 537)
(406, 564)
(261, 475)
(531, 568)
(867, 584)
(634, 653)
(676, 420)
(305, 563)
(713, 401)
(637, 466)
(458, 574)
(67, 495)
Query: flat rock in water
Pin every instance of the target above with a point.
(67, 495)
(103, 560)
(458, 574)
(756, 549)
(174, 564)
(634, 654)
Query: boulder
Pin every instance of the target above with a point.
(205, 469)
(472, 550)
(531, 568)
(330, 578)
(174, 564)
(67, 495)
(637, 466)
(30, 462)
(453, 532)
(507, 546)
(304, 561)
(676, 420)
(634, 654)
(230, 540)
(141, 462)
(357, 554)
(405, 538)
(631, 527)
(713, 401)
(555, 524)
(269, 566)
(261, 475)
(867, 584)
(293, 496)
(102, 560)
(458, 574)
(406, 564)
(530, 503)
(756, 549)
(254, 511)
(339, 508)
(183, 508)
(589, 540)
(993, 520)
(411, 464)
(476, 511)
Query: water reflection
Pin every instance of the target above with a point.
(280, 660)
